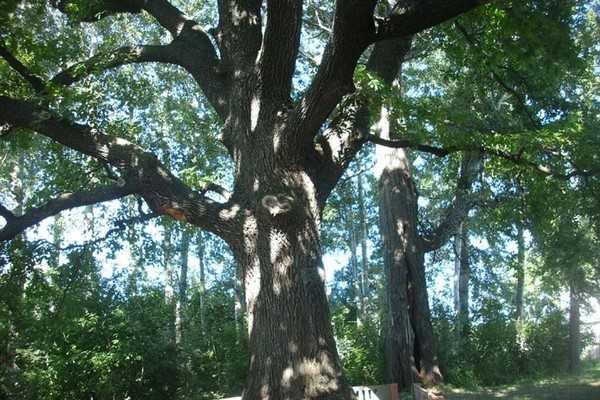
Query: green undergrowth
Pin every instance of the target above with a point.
(584, 386)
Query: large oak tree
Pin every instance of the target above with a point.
(287, 155)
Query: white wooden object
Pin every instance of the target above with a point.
(379, 392)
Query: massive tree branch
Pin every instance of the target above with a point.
(170, 17)
(350, 126)
(353, 31)
(164, 193)
(463, 201)
(6, 213)
(409, 17)
(280, 47)
(239, 33)
(192, 50)
(16, 225)
(191, 47)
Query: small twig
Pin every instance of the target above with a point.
(348, 178)
(120, 225)
(518, 96)
(35, 81)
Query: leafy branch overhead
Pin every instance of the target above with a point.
(213, 68)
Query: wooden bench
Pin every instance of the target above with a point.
(379, 392)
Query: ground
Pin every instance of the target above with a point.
(584, 387)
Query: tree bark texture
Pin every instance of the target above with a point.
(293, 353)
(396, 231)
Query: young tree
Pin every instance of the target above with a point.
(462, 272)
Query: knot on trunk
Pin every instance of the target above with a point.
(278, 205)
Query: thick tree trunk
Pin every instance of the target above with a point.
(425, 353)
(574, 329)
(394, 225)
(292, 349)
(404, 256)
(462, 272)
(239, 308)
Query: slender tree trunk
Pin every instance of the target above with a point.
(202, 287)
(169, 291)
(462, 272)
(181, 306)
(17, 277)
(520, 273)
(355, 291)
(364, 270)
(408, 303)
(354, 270)
(400, 213)
(57, 237)
(574, 329)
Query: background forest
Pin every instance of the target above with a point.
(111, 301)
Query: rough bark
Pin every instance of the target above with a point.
(239, 309)
(425, 353)
(395, 220)
(293, 354)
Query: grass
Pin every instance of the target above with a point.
(585, 386)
